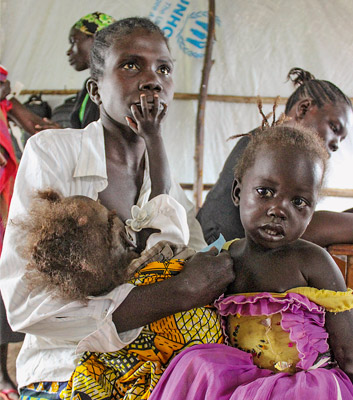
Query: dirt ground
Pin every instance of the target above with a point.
(13, 350)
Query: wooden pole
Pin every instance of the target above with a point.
(200, 119)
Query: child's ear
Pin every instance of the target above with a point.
(302, 107)
(236, 191)
(92, 89)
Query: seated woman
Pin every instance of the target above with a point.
(131, 82)
(315, 104)
(288, 307)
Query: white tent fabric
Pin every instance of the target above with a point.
(258, 41)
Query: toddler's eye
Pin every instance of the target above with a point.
(264, 192)
(163, 69)
(130, 66)
(299, 202)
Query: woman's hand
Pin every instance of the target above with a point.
(46, 123)
(3, 161)
(5, 89)
(148, 117)
(204, 278)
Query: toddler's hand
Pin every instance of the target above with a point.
(147, 121)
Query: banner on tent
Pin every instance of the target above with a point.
(180, 20)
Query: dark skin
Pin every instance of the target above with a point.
(276, 203)
(141, 64)
(23, 117)
(79, 50)
(333, 122)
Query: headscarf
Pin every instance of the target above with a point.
(92, 23)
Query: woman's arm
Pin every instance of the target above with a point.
(29, 121)
(329, 227)
(204, 278)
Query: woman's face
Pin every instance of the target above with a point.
(333, 122)
(79, 50)
(139, 63)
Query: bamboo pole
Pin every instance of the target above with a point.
(200, 119)
(223, 98)
(328, 192)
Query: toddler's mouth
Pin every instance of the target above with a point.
(273, 230)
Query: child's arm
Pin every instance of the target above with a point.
(324, 274)
(147, 124)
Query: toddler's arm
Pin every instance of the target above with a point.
(324, 274)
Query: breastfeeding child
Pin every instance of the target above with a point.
(131, 82)
(288, 306)
(77, 248)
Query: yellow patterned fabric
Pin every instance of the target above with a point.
(133, 372)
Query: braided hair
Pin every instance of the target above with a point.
(106, 37)
(298, 138)
(321, 92)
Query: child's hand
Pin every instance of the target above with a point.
(147, 120)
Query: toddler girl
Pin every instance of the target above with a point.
(291, 305)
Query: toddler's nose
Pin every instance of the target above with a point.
(277, 211)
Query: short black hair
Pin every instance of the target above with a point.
(105, 38)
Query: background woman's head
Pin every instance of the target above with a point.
(81, 38)
(321, 106)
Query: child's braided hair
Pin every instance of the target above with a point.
(299, 138)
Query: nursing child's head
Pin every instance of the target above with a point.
(277, 184)
(75, 246)
(129, 58)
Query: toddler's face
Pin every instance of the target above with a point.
(278, 195)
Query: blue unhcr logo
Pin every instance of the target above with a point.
(192, 37)
(189, 29)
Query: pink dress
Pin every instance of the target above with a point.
(285, 357)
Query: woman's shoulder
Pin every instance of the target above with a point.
(49, 137)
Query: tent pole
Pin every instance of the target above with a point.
(200, 119)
